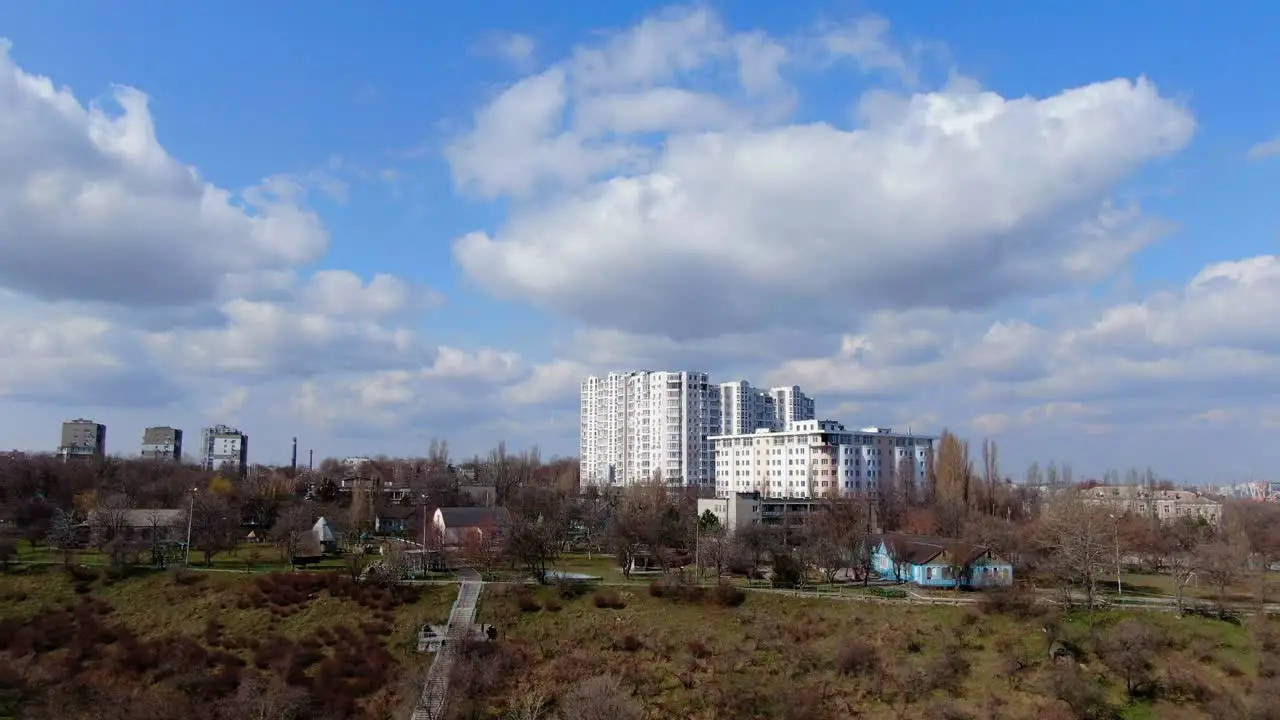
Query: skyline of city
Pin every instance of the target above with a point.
(922, 218)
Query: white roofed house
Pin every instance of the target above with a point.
(324, 535)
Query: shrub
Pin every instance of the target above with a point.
(608, 600)
(552, 605)
(857, 657)
(570, 589)
(628, 643)
(728, 595)
(698, 648)
(527, 602)
(891, 593)
(950, 669)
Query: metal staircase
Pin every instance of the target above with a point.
(435, 691)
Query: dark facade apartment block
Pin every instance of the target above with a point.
(83, 438)
(162, 443)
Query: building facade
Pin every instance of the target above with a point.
(222, 445)
(745, 409)
(162, 443)
(816, 458)
(82, 438)
(743, 509)
(1164, 505)
(645, 425)
(790, 405)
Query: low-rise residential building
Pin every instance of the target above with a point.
(456, 525)
(744, 509)
(816, 458)
(939, 562)
(1164, 505)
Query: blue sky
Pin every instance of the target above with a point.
(359, 106)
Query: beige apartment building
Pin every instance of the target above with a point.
(1167, 505)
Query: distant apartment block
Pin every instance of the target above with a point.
(641, 425)
(815, 458)
(82, 439)
(1165, 505)
(224, 446)
(745, 409)
(162, 443)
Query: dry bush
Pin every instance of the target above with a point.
(552, 605)
(628, 643)
(526, 601)
(857, 657)
(728, 595)
(1080, 692)
(1009, 601)
(569, 589)
(609, 600)
(950, 669)
(698, 648)
(600, 698)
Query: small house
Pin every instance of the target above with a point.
(939, 562)
(398, 520)
(458, 524)
(324, 535)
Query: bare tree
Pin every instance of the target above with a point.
(215, 525)
(1128, 650)
(262, 697)
(533, 705)
(1259, 525)
(1221, 563)
(8, 551)
(1077, 540)
(292, 526)
(600, 698)
(62, 534)
(394, 565)
(109, 518)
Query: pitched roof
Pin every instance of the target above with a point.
(921, 549)
(322, 531)
(460, 517)
(398, 512)
(148, 517)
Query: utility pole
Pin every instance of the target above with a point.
(190, 515)
(1115, 524)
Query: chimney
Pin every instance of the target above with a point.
(311, 459)
(294, 463)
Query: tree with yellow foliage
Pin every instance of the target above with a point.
(222, 487)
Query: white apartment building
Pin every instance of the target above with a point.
(790, 405)
(224, 446)
(745, 409)
(813, 458)
(636, 426)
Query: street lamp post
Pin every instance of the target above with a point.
(1116, 527)
(190, 514)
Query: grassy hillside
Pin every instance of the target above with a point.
(224, 645)
(207, 645)
(776, 656)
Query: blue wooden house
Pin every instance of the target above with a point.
(938, 562)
